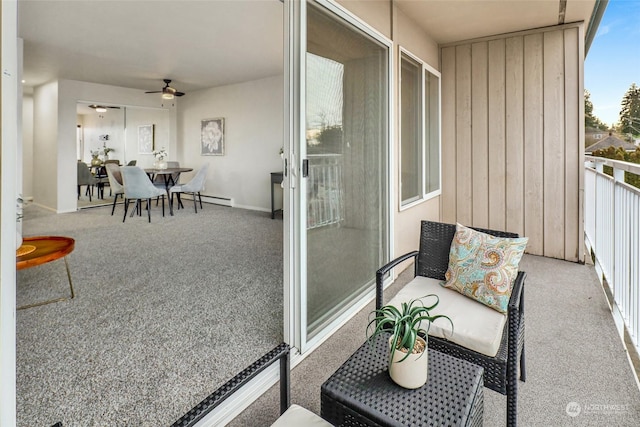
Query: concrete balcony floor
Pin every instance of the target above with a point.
(574, 356)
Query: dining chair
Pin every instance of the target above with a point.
(102, 179)
(194, 186)
(85, 178)
(115, 183)
(132, 162)
(138, 187)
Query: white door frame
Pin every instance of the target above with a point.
(295, 266)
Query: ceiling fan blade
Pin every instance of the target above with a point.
(94, 106)
(167, 90)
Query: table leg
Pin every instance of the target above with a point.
(272, 211)
(38, 304)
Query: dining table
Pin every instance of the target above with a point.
(170, 177)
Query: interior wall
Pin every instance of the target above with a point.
(253, 135)
(161, 121)
(45, 141)
(27, 147)
(513, 111)
(109, 123)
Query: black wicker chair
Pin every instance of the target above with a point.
(501, 371)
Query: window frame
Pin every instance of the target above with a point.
(424, 194)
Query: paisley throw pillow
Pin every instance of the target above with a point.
(483, 267)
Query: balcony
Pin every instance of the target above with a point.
(579, 371)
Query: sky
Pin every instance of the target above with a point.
(613, 60)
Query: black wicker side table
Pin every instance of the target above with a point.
(360, 392)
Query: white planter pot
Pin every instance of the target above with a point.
(412, 372)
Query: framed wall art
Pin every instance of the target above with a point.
(212, 137)
(145, 139)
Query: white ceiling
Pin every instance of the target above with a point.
(455, 20)
(135, 44)
(208, 43)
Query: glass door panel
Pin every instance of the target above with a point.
(346, 149)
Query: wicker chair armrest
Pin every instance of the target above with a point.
(281, 353)
(384, 270)
(517, 293)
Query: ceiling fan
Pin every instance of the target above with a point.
(102, 108)
(167, 91)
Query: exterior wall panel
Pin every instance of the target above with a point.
(479, 134)
(514, 131)
(574, 121)
(511, 134)
(497, 148)
(449, 166)
(533, 143)
(464, 159)
(553, 143)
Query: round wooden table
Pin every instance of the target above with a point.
(41, 250)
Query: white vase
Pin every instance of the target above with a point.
(162, 164)
(411, 372)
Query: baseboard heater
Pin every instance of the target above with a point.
(207, 198)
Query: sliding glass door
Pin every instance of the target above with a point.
(343, 192)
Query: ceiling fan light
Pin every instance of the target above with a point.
(167, 96)
(101, 110)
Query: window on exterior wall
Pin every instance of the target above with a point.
(431, 133)
(410, 130)
(419, 131)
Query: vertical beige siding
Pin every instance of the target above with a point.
(533, 143)
(514, 124)
(479, 134)
(573, 124)
(464, 188)
(497, 148)
(448, 140)
(511, 136)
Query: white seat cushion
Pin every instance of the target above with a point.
(476, 326)
(298, 416)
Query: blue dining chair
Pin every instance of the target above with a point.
(138, 187)
(195, 186)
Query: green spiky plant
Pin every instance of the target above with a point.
(403, 323)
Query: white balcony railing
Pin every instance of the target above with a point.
(325, 195)
(612, 233)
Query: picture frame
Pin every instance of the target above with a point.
(146, 139)
(212, 137)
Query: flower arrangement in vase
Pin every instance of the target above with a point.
(160, 155)
(106, 150)
(95, 161)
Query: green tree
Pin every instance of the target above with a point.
(630, 112)
(620, 154)
(590, 120)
